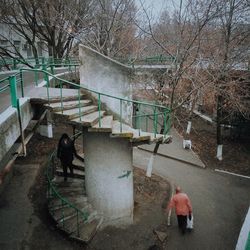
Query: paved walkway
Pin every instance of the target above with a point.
(175, 150)
(220, 202)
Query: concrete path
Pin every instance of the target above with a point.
(15, 208)
(175, 150)
(220, 203)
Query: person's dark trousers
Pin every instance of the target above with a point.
(182, 222)
(65, 167)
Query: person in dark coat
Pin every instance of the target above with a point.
(65, 152)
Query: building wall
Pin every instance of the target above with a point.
(20, 43)
(102, 74)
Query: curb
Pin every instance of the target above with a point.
(231, 173)
(173, 158)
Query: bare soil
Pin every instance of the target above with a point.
(236, 150)
(151, 196)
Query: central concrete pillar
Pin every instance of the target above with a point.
(109, 177)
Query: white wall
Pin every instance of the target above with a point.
(107, 160)
(105, 75)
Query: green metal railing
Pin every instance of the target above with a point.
(154, 114)
(64, 204)
(12, 83)
(158, 59)
(155, 110)
(16, 63)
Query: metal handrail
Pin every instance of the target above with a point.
(47, 74)
(51, 187)
(94, 91)
(38, 62)
(161, 109)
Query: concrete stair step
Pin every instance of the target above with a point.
(76, 173)
(106, 125)
(79, 164)
(56, 202)
(76, 112)
(53, 208)
(137, 136)
(69, 225)
(68, 192)
(39, 95)
(65, 105)
(78, 167)
(63, 213)
(87, 230)
(89, 119)
(127, 132)
(71, 182)
(69, 212)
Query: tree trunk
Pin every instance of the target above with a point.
(219, 134)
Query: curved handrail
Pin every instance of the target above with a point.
(84, 216)
(157, 109)
(94, 91)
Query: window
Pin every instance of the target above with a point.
(17, 45)
(3, 43)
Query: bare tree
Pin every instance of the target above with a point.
(226, 51)
(55, 23)
(178, 36)
(112, 29)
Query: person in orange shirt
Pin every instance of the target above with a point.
(183, 208)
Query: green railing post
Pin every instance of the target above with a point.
(21, 82)
(79, 103)
(60, 83)
(99, 110)
(52, 69)
(47, 86)
(77, 218)
(165, 123)
(120, 115)
(36, 76)
(13, 91)
(14, 63)
(155, 123)
(139, 110)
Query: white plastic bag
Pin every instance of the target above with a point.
(190, 223)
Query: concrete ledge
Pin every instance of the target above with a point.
(9, 125)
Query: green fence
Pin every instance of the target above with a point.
(16, 63)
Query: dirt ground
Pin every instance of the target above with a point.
(151, 195)
(236, 151)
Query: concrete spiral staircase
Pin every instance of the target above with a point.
(88, 116)
(73, 190)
